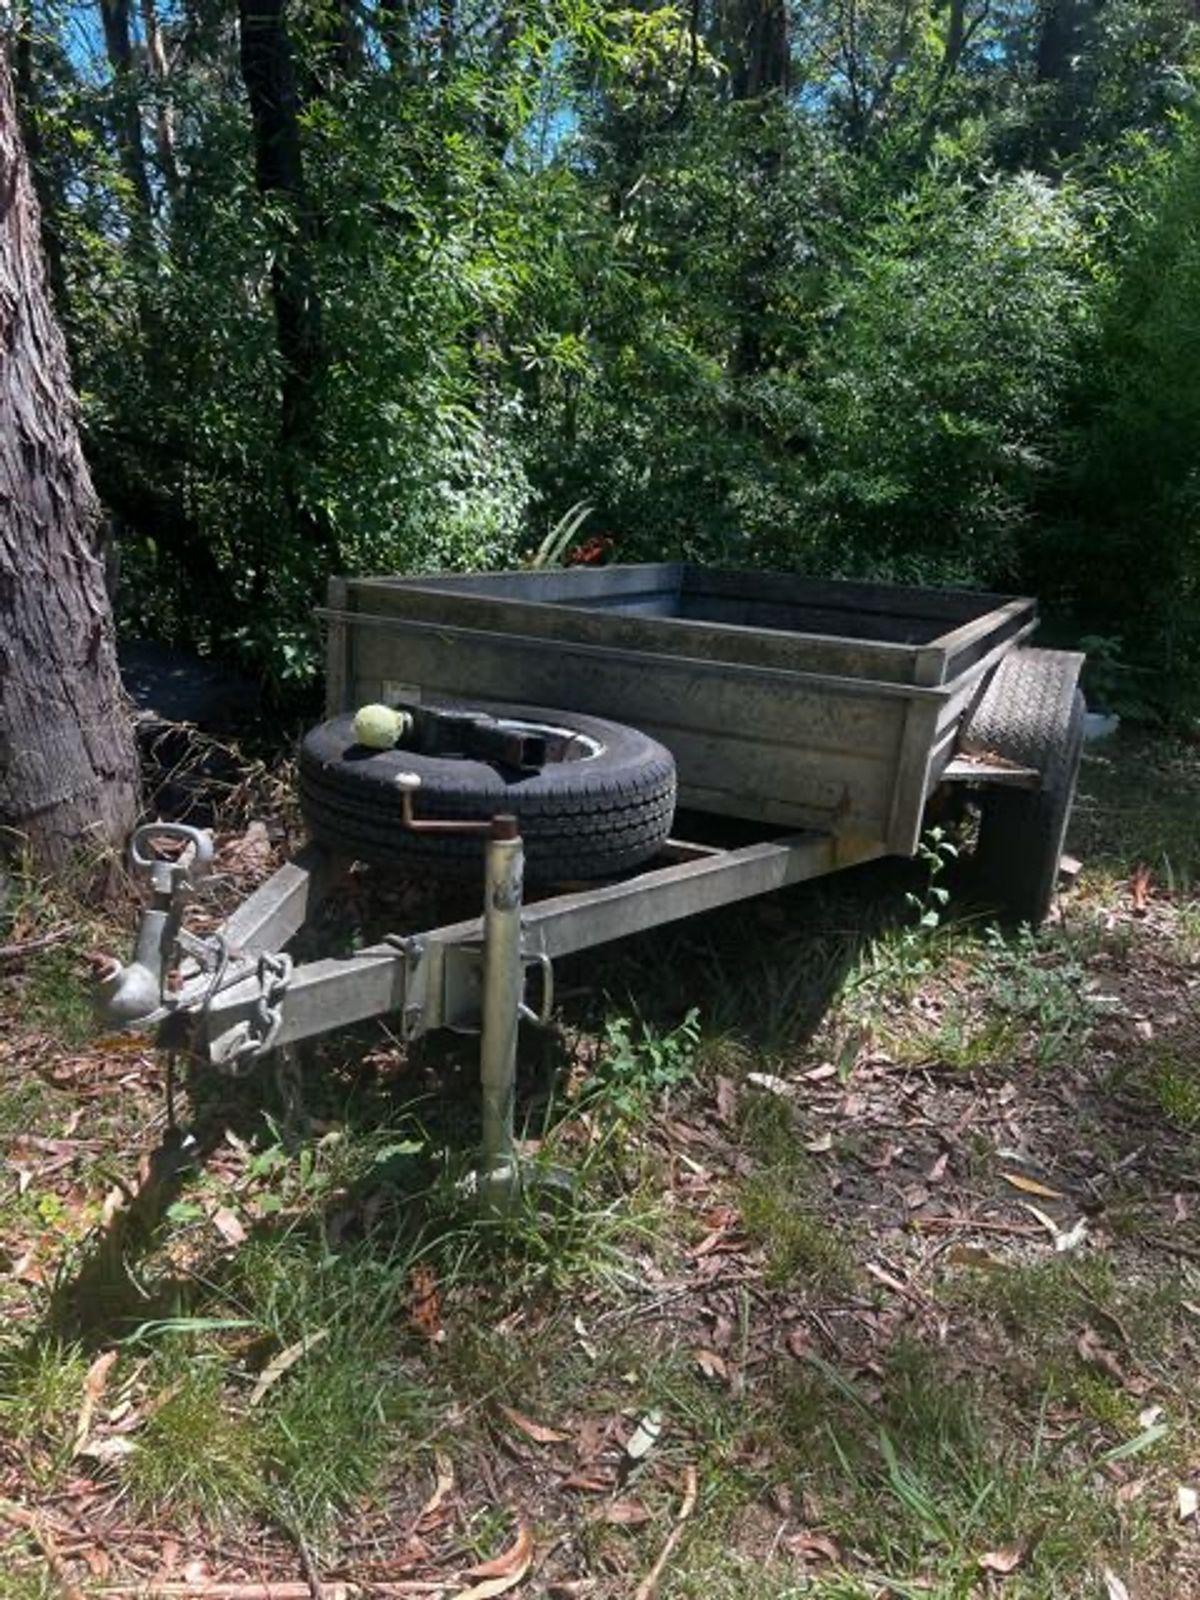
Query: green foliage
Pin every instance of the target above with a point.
(1135, 493)
(196, 1454)
(913, 296)
(1038, 979)
(939, 374)
(40, 1384)
(1174, 1089)
(802, 1247)
(639, 1061)
(930, 1479)
(936, 852)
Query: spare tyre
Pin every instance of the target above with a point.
(601, 803)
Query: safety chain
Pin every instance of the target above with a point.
(236, 1051)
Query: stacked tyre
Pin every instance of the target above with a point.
(606, 811)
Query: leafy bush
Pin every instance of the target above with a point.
(917, 303)
(946, 345)
(1128, 554)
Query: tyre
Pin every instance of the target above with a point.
(1032, 713)
(604, 806)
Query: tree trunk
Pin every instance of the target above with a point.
(756, 47)
(269, 74)
(758, 55)
(1060, 27)
(396, 24)
(68, 768)
(956, 38)
(164, 122)
(447, 31)
(128, 114)
(31, 133)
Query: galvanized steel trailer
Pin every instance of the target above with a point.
(784, 700)
(833, 710)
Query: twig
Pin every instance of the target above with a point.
(649, 1583)
(27, 947)
(411, 1586)
(1173, 1247)
(644, 1308)
(1113, 1320)
(897, 1285)
(315, 1589)
(266, 1590)
(973, 1225)
(37, 1141)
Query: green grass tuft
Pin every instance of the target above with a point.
(929, 1473)
(196, 1457)
(331, 1426)
(1174, 1086)
(803, 1247)
(41, 1389)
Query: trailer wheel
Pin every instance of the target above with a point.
(605, 807)
(1031, 713)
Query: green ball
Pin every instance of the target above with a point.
(378, 727)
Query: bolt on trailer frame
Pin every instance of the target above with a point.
(841, 735)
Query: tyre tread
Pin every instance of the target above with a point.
(1031, 713)
(581, 820)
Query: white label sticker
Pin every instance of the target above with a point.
(395, 693)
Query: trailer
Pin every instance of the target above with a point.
(552, 725)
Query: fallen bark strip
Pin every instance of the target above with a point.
(649, 1584)
(41, 1535)
(266, 1590)
(973, 1224)
(28, 947)
(407, 1586)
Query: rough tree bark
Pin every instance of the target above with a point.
(68, 768)
(756, 47)
(25, 85)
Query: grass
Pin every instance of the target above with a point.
(54, 991)
(801, 1245)
(931, 1475)
(41, 1381)
(780, 1207)
(194, 1456)
(792, 1237)
(32, 1585)
(1174, 1087)
(963, 997)
(59, 999)
(1136, 794)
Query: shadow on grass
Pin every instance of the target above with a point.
(928, 1406)
(763, 975)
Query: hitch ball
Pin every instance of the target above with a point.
(128, 995)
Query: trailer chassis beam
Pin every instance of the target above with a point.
(435, 979)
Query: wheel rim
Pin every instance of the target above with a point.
(576, 746)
